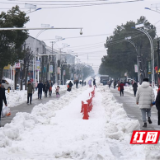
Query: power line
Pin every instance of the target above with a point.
(81, 36)
(86, 5)
(89, 5)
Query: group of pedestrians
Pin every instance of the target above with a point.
(79, 82)
(46, 88)
(121, 87)
(145, 98)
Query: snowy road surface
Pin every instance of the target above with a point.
(133, 111)
(25, 107)
(56, 130)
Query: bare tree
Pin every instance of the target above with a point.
(28, 56)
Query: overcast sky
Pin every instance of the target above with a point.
(97, 22)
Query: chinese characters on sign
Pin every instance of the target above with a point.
(145, 137)
(17, 65)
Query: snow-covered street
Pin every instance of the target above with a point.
(56, 130)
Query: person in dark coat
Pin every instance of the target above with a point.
(94, 82)
(70, 84)
(135, 86)
(158, 106)
(82, 82)
(76, 83)
(121, 85)
(30, 91)
(40, 87)
(45, 88)
(2, 98)
(109, 83)
(115, 84)
(4, 92)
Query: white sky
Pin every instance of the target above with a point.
(95, 20)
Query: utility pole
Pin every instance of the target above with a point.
(53, 60)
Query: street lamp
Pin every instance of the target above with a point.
(30, 7)
(128, 39)
(139, 28)
(151, 9)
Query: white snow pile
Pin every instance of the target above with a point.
(17, 97)
(119, 128)
(129, 89)
(41, 114)
(56, 130)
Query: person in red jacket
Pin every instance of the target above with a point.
(121, 85)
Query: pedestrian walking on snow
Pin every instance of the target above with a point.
(109, 83)
(135, 86)
(90, 83)
(114, 84)
(50, 87)
(94, 82)
(30, 90)
(2, 99)
(45, 88)
(4, 92)
(158, 106)
(144, 98)
(40, 87)
(76, 83)
(57, 92)
(70, 84)
(121, 86)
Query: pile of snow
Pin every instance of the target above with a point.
(17, 97)
(41, 114)
(119, 128)
(129, 89)
(56, 130)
